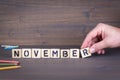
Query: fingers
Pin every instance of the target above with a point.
(102, 36)
(95, 40)
(89, 40)
(101, 51)
(98, 47)
(91, 37)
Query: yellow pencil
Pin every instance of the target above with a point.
(9, 68)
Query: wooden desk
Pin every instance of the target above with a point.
(58, 23)
(97, 67)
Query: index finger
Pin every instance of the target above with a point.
(90, 36)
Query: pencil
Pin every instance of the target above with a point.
(8, 61)
(7, 64)
(10, 67)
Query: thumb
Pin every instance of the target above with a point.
(98, 46)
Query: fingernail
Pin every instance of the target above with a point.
(92, 50)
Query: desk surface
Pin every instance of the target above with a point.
(97, 67)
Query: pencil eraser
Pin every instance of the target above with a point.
(55, 53)
(16, 53)
(85, 52)
(65, 53)
(74, 53)
(45, 53)
(26, 53)
(36, 53)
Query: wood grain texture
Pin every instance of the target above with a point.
(96, 67)
(53, 22)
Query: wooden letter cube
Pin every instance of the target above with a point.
(26, 53)
(55, 53)
(85, 52)
(16, 53)
(45, 53)
(65, 53)
(36, 53)
(74, 53)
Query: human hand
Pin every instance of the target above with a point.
(101, 37)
